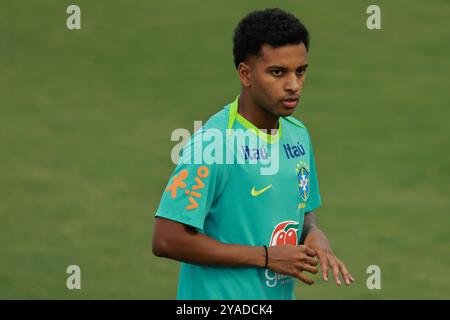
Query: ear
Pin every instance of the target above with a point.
(245, 74)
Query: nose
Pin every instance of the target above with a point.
(293, 83)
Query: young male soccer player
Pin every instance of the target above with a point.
(241, 234)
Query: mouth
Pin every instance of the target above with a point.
(290, 102)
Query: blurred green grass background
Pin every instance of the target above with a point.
(86, 118)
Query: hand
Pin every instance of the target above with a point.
(317, 241)
(292, 260)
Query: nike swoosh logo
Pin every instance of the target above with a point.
(257, 193)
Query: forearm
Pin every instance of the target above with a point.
(190, 246)
(179, 242)
(312, 235)
(309, 224)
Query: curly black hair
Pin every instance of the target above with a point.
(273, 26)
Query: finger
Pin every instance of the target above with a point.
(351, 277)
(333, 264)
(300, 276)
(308, 251)
(345, 273)
(324, 266)
(308, 268)
(311, 261)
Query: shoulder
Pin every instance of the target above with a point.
(215, 125)
(296, 127)
(295, 124)
(218, 121)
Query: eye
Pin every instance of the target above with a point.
(301, 71)
(277, 73)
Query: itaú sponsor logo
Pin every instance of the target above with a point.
(284, 233)
(254, 153)
(209, 146)
(294, 151)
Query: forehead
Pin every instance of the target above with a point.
(292, 55)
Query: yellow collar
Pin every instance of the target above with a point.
(234, 115)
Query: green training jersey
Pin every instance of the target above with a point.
(237, 202)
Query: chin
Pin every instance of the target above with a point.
(286, 112)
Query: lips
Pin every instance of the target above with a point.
(290, 102)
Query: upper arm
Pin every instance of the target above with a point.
(192, 188)
(314, 198)
(166, 231)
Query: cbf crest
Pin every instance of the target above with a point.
(302, 170)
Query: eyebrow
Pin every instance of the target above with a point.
(285, 69)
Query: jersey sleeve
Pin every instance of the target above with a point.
(314, 200)
(192, 188)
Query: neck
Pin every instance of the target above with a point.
(260, 117)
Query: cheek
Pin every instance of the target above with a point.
(264, 98)
(302, 82)
(268, 89)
